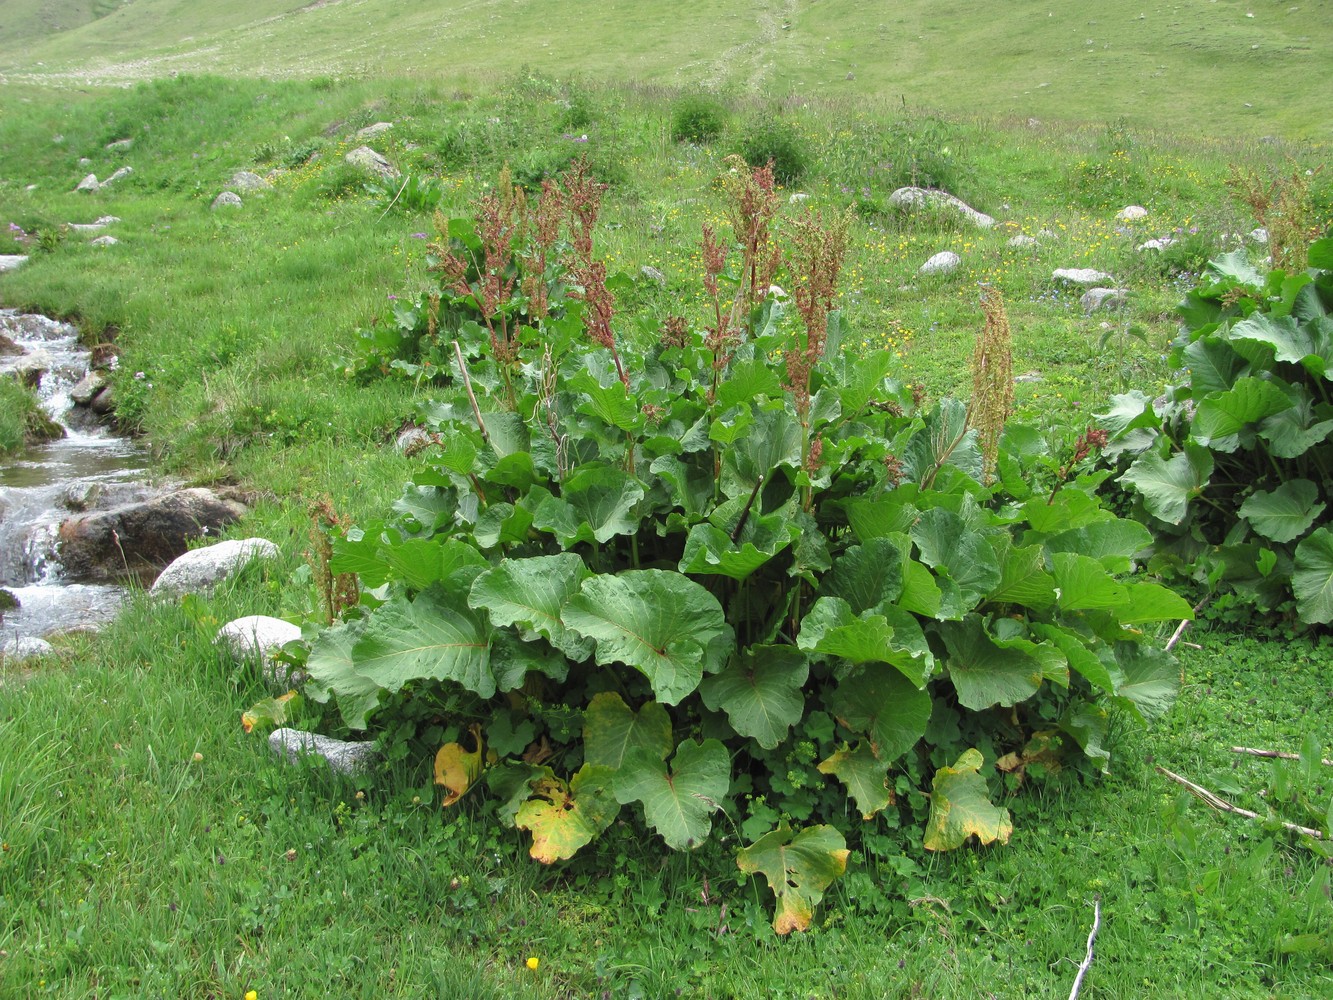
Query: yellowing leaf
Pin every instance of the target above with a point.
(456, 769)
(865, 776)
(798, 870)
(270, 710)
(960, 807)
(563, 817)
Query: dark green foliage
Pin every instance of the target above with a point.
(770, 137)
(1232, 470)
(698, 118)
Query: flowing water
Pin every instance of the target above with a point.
(40, 486)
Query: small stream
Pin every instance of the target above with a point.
(41, 486)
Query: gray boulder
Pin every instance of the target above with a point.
(1022, 240)
(87, 387)
(1085, 276)
(943, 262)
(227, 199)
(89, 184)
(141, 537)
(1103, 299)
(103, 241)
(1131, 213)
(104, 403)
(25, 648)
(373, 131)
(258, 637)
(200, 569)
(118, 175)
(1158, 244)
(11, 261)
(120, 145)
(916, 198)
(368, 161)
(32, 366)
(343, 757)
(247, 182)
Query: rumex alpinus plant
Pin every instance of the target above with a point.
(740, 569)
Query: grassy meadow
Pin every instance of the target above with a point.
(153, 849)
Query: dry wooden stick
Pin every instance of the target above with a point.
(1175, 636)
(1274, 754)
(1225, 806)
(1092, 936)
(467, 382)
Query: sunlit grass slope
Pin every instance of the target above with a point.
(1226, 67)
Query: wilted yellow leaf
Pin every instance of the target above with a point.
(272, 710)
(456, 769)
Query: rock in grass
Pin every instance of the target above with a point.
(368, 161)
(10, 261)
(200, 569)
(258, 637)
(915, 198)
(120, 145)
(371, 131)
(25, 648)
(103, 241)
(943, 262)
(87, 387)
(1158, 244)
(247, 181)
(1085, 276)
(1103, 299)
(119, 174)
(1022, 240)
(227, 199)
(1131, 213)
(89, 185)
(343, 757)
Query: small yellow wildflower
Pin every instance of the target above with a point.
(252, 995)
(533, 963)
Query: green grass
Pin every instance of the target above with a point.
(1203, 68)
(134, 869)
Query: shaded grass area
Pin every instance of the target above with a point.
(135, 868)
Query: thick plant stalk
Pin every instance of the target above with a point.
(1274, 755)
(467, 382)
(1225, 806)
(1087, 959)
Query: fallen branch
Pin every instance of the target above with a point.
(1274, 755)
(467, 382)
(1087, 960)
(1175, 636)
(1225, 806)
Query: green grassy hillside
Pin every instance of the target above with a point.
(1229, 67)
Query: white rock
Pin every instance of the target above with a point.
(653, 275)
(120, 145)
(122, 172)
(227, 199)
(1132, 213)
(917, 198)
(1095, 299)
(366, 159)
(103, 241)
(797, 198)
(343, 757)
(10, 261)
(942, 263)
(371, 131)
(1082, 276)
(1259, 235)
(200, 569)
(1022, 241)
(89, 184)
(246, 181)
(1158, 244)
(413, 439)
(25, 648)
(258, 637)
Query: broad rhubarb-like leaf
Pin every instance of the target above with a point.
(611, 729)
(761, 692)
(457, 769)
(864, 774)
(564, 817)
(529, 593)
(960, 807)
(798, 869)
(677, 803)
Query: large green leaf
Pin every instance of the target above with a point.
(1023, 577)
(1286, 513)
(529, 593)
(677, 804)
(611, 729)
(611, 403)
(1213, 365)
(1291, 340)
(1084, 584)
(1312, 581)
(947, 543)
(885, 706)
(1222, 415)
(984, 673)
(747, 381)
(859, 377)
(798, 870)
(689, 485)
(772, 442)
(1168, 485)
(332, 672)
(866, 576)
(710, 550)
(945, 439)
(761, 692)
(1078, 654)
(1151, 602)
(564, 817)
(433, 637)
(662, 623)
(1147, 680)
(864, 774)
(420, 562)
(960, 807)
(1128, 410)
(888, 635)
(596, 504)
(1112, 542)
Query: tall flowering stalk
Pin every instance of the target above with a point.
(815, 262)
(992, 378)
(754, 206)
(583, 202)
